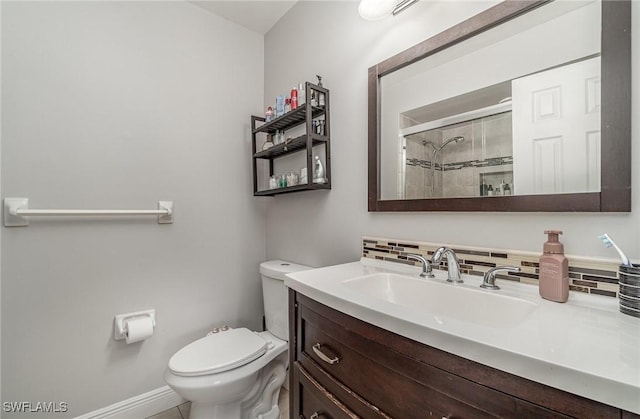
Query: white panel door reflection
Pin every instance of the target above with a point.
(556, 130)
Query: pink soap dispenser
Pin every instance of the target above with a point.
(554, 270)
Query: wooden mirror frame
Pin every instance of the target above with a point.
(615, 190)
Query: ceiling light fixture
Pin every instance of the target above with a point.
(403, 5)
(379, 9)
(376, 9)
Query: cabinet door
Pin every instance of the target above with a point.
(315, 401)
(383, 378)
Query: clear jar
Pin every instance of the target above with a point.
(273, 182)
(292, 179)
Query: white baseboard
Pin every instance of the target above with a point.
(138, 407)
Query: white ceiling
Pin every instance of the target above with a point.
(256, 15)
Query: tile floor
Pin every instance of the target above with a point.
(182, 411)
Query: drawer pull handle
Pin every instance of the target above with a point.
(315, 415)
(323, 356)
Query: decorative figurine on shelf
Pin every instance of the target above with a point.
(318, 172)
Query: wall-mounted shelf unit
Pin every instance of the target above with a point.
(309, 115)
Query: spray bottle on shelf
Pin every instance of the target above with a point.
(318, 172)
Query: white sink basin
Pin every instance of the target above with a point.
(444, 301)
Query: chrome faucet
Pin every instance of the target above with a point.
(453, 266)
(489, 281)
(426, 266)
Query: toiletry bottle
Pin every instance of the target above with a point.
(294, 98)
(302, 94)
(279, 105)
(502, 186)
(483, 188)
(318, 172)
(287, 105)
(490, 190)
(507, 189)
(554, 270)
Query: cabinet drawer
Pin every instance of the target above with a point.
(316, 402)
(395, 383)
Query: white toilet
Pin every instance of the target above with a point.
(237, 373)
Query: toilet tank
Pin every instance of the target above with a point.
(275, 297)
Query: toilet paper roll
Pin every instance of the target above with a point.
(138, 329)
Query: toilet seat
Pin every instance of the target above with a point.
(218, 352)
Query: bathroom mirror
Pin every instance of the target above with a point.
(507, 111)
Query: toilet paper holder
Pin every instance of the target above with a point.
(120, 322)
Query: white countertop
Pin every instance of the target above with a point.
(584, 346)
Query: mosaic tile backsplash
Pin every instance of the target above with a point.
(593, 276)
(496, 161)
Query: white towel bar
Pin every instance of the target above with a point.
(17, 209)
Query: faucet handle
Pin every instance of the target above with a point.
(489, 281)
(426, 266)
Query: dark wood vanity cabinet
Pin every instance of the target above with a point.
(342, 367)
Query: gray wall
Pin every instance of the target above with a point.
(119, 105)
(331, 40)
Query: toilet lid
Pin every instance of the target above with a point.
(218, 352)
